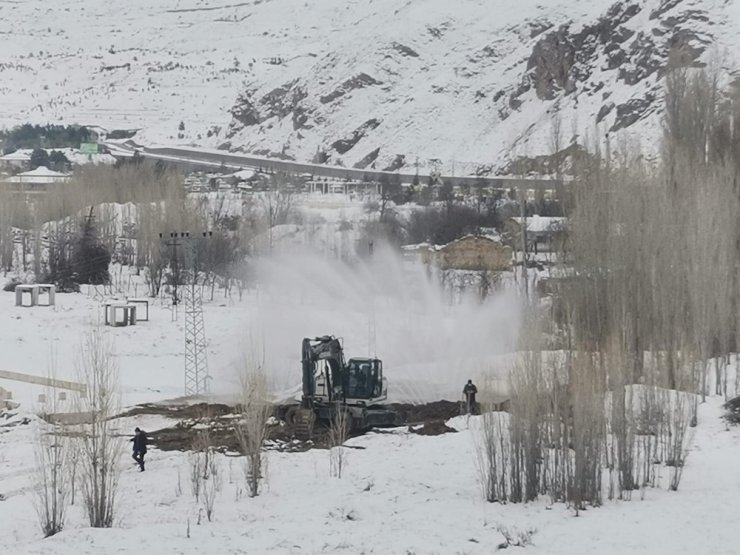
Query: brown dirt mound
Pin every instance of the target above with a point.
(220, 420)
(223, 435)
(437, 410)
(197, 410)
(434, 428)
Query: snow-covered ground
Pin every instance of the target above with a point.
(400, 493)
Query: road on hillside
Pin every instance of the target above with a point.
(193, 158)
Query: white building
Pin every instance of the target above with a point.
(18, 160)
(34, 181)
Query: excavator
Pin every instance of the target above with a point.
(330, 385)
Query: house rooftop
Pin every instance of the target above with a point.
(42, 174)
(17, 156)
(43, 171)
(542, 223)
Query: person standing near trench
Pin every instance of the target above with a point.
(139, 441)
(469, 392)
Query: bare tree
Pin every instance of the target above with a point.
(211, 486)
(339, 430)
(99, 445)
(646, 318)
(678, 422)
(8, 206)
(492, 454)
(205, 470)
(256, 409)
(199, 456)
(52, 485)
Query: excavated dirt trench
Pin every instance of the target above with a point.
(218, 419)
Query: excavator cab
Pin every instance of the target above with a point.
(365, 379)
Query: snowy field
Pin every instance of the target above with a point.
(401, 493)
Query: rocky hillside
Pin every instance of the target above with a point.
(381, 83)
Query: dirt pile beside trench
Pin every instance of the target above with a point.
(436, 410)
(220, 419)
(434, 428)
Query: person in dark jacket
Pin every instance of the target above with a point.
(469, 392)
(139, 441)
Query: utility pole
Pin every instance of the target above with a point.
(523, 233)
(197, 378)
(174, 242)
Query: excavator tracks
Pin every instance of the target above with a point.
(303, 421)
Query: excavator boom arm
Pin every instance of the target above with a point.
(327, 348)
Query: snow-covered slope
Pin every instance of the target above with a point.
(360, 82)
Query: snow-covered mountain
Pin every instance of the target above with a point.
(381, 83)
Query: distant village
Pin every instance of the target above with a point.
(504, 236)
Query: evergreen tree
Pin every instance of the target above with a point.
(91, 257)
(39, 157)
(58, 161)
(60, 268)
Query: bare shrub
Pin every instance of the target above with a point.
(514, 537)
(198, 461)
(526, 425)
(211, 485)
(99, 444)
(339, 429)
(677, 438)
(492, 454)
(620, 424)
(650, 431)
(52, 485)
(205, 469)
(255, 409)
(588, 433)
(552, 478)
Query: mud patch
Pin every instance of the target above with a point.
(197, 410)
(434, 428)
(419, 414)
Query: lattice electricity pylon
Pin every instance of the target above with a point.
(196, 359)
